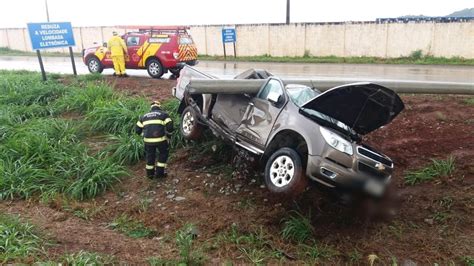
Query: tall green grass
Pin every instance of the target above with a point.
(18, 240)
(83, 99)
(118, 116)
(43, 155)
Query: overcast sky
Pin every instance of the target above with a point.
(16, 13)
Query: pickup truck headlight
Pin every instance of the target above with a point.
(336, 141)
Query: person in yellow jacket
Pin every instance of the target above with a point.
(118, 51)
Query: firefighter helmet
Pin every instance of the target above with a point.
(155, 104)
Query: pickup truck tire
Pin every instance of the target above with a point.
(189, 126)
(284, 173)
(154, 68)
(94, 65)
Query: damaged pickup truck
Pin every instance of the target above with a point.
(299, 133)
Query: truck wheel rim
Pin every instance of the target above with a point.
(154, 68)
(94, 65)
(282, 171)
(188, 123)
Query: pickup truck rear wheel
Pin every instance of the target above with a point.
(189, 126)
(94, 65)
(284, 173)
(154, 68)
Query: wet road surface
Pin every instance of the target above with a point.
(349, 72)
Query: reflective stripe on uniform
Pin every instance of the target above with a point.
(139, 124)
(154, 122)
(167, 120)
(161, 164)
(149, 167)
(155, 140)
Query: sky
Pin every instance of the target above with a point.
(16, 13)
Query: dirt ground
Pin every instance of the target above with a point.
(414, 223)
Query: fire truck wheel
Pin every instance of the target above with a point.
(94, 65)
(154, 68)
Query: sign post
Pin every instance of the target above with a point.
(228, 35)
(51, 35)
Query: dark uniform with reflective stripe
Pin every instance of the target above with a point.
(155, 127)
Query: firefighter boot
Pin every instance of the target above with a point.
(161, 170)
(150, 171)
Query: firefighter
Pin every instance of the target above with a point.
(156, 127)
(118, 51)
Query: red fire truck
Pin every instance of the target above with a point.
(158, 49)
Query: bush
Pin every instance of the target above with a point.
(416, 55)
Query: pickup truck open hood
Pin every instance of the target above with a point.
(364, 107)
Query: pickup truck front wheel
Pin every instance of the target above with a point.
(284, 173)
(189, 126)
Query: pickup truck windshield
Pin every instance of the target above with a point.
(301, 94)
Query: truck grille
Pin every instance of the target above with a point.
(374, 156)
(371, 171)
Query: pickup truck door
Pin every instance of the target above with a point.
(133, 44)
(261, 114)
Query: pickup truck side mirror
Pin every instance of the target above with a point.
(274, 97)
(104, 44)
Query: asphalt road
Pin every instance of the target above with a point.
(349, 72)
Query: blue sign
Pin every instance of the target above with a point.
(228, 35)
(51, 35)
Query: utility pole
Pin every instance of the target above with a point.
(47, 10)
(287, 11)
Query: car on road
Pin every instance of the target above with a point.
(156, 49)
(299, 133)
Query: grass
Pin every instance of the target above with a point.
(187, 254)
(45, 153)
(18, 240)
(254, 245)
(117, 116)
(416, 57)
(157, 261)
(130, 227)
(84, 258)
(315, 252)
(83, 99)
(184, 242)
(469, 101)
(125, 148)
(171, 107)
(437, 168)
(354, 257)
(12, 52)
(297, 227)
(468, 260)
